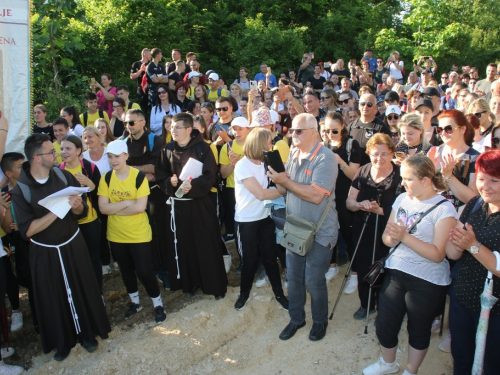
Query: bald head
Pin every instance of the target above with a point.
(495, 87)
(368, 107)
(307, 126)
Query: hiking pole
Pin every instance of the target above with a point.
(348, 272)
(373, 261)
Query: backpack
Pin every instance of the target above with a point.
(86, 116)
(151, 140)
(129, 105)
(25, 189)
(92, 168)
(138, 181)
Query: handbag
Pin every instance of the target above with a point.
(298, 234)
(378, 267)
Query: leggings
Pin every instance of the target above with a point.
(134, 260)
(229, 205)
(402, 294)
(91, 232)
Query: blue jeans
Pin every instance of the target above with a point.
(308, 270)
(463, 326)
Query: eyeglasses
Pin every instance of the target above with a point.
(479, 114)
(368, 104)
(379, 61)
(383, 155)
(325, 97)
(297, 131)
(132, 123)
(180, 127)
(495, 141)
(472, 82)
(448, 129)
(53, 152)
(222, 109)
(345, 101)
(331, 131)
(161, 92)
(393, 117)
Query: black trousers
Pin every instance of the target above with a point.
(91, 233)
(229, 205)
(257, 238)
(134, 260)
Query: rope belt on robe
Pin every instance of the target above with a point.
(173, 227)
(66, 283)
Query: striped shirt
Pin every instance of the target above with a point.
(405, 259)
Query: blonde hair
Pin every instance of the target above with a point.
(96, 132)
(483, 105)
(256, 143)
(380, 139)
(413, 120)
(109, 134)
(422, 166)
(238, 87)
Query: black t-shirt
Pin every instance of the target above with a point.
(175, 77)
(119, 128)
(183, 105)
(139, 150)
(171, 69)
(154, 70)
(362, 132)
(135, 68)
(342, 74)
(317, 83)
(469, 275)
(47, 130)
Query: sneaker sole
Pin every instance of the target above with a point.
(139, 309)
(15, 329)
(351, 292)
(242, 307)
(161, 321)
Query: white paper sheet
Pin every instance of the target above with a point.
(193, 169)
(58, 204)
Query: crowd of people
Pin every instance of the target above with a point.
(409, 169)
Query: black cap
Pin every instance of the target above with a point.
(392, 96)
(426, 103)
(431, 91)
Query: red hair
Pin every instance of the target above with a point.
(460, 120)
(489, 162)
(473, 120)
(180, 84)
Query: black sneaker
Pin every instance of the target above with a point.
(89, 346)
(132, 309)
(241, 302)
(160, 314)
(62, 354)
(228, 237)
(283, 301)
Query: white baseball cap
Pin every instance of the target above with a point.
(393, 109)
(213, 76)
(241, 122)
(117, 147)
(194, 74)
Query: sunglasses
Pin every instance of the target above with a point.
(444, 77)
(379, 61)
(472, 82)
(131, 123)
(393, 117)
(479, 114)
(222, 109)
(345, 101)
(325, 97)
(495, 141)
(297, 131)
(447, 129)
(368, 104)
(161, 92)
(331, 131)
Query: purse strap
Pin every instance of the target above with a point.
(415, 224)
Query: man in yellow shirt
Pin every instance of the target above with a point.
(61, 129)
(123, 92)
(214, 88)
(92, 114)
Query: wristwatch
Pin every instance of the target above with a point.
(474, 249)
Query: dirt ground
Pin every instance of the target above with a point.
(205, 336)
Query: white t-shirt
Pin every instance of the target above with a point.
(77, 130)
(482, 144)
(102, 164)
(395, 72)
(405, 259)
(248, 207)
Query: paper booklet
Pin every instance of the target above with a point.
(193, 168)
(58, 204)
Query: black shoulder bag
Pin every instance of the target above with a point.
(378, 267)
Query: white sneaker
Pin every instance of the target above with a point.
(6, 369)
(106, 270)
(381, 367)
(116, 266)
(7, 352)
(445, 345)
(436, 325)
(352, 285)
(16, 321)
(332, 273)
(263, 280)
(406, 372)
(227, 262)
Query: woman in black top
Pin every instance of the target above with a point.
(180, 94)
(348, 156)
(474, 243)
(374, 189)
(413, 139)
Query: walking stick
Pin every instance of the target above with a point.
(348, 272)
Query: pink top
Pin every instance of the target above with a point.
(103, 103)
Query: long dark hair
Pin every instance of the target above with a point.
(344, 133)
(171, 98)
(71, 110)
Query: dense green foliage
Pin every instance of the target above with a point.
(74, 40)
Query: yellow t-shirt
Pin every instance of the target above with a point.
(92, 214)
(91, 118)
(57, 147)
(224, 160)
(212, 95)
(283, 149)
(134, 105)
(126, 229)
(168, 138)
